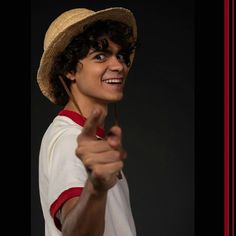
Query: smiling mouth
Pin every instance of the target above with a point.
(113, 81)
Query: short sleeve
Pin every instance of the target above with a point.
(66, 172)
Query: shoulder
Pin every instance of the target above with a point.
(61, 128)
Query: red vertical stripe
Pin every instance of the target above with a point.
(232, 117)
(226, 117)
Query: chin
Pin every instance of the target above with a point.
(113, 100)
(117, 98)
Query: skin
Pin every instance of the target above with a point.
(89, 87)
(102, 158)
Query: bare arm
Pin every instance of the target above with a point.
(85, 215)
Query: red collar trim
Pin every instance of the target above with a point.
(80, 120)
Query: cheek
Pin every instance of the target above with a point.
(94, 72)
(90, 77)
(126, 72)
(98, 71)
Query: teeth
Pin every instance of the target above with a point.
(112, 81)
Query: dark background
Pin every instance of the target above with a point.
(157, 113)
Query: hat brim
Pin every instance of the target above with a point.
(60, 42)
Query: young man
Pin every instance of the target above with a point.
(86, 60)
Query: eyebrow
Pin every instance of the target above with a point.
(109, 51)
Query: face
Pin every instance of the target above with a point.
(100, 76)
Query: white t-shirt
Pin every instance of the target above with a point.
(62, 176)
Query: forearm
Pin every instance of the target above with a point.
(87, 217)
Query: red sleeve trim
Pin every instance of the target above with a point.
(64, 196)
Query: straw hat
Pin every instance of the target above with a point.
(64, 28)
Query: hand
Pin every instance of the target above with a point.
(102, 158)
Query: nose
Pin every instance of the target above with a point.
(115, 64)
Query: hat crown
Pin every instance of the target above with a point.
(63, 21)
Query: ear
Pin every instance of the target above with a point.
(71, 76)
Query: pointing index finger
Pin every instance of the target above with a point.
(91, 124)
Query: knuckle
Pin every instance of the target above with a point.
(97, 173)
(120, 164)
(116, 155)
(123, 154)
(88, 162)
(79, 151)
(119, 155)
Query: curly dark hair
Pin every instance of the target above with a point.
(79, 47)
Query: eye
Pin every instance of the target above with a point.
(121, 57)
(100, 57)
